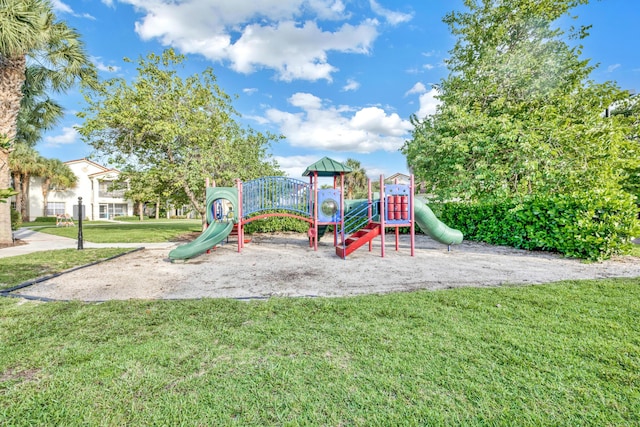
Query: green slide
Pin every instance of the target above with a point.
(436, 229)
(213, 235)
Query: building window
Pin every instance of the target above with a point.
(110, 210)
(105, 189)
(55, 208)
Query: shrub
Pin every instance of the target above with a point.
(590, 225)
(276, 224)
(47, 219)
(16, 219)
(129, 218)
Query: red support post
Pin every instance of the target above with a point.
(382, 214)
(412, 215)
(369, 210)
(315, 210)
(239, 214)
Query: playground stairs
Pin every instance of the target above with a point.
(358, 239)
(234, 235)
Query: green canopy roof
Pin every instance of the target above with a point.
(327, 167)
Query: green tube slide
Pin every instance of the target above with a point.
(212, 236)
(436, 229)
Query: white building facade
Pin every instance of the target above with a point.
(93, 185)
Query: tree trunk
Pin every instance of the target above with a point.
(6, 234)
(24, 188)
(12, 72)
(141, 211)
(158, 208)
(45, 194)
(17, 179)
(199, 207)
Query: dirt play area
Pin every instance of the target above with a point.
(284, 265)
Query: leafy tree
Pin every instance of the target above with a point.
(24, 162)
(38, 112)
(356, 182)
(29, 29)
(182, 128)
(57, 176)
(629, 111)
(143, 187)
(518, 112)
(6, 193)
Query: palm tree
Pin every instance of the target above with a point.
(24, 162)
(58, 176)
(356, 180)
(29, 29)
(38, 112)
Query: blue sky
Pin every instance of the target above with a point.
(337, 78)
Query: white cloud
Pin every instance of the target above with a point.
(258, 119)
(297, 52)
(294, 166)
(417, 88)
(613, 67)
(394, 18)
(428, 103)
(97, 61)
(351, 85)
(250, 90)
(68, 136)
(292, 37)
(61, 7)
(428, 66)
(326, 127)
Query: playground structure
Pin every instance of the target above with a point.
(355, 223)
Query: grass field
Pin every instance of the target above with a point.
(149, 231)
(560, 354)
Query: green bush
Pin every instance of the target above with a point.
(276, 224)
(129, 218)
(16, 219)
(47, 219)
(590, 225)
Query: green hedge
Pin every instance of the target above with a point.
(46, 219)
(129, 218)
(16, 219)
(276, 224)
(591, 225)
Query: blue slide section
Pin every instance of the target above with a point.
(212, 236)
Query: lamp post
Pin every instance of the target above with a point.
(80, 215)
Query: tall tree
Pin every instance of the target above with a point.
(24, 162)
(142, 187)
(629, 111)
(518, 112)
(57, 176)
(38, 112)
(29, 28)
(355, 181)
(184, 128)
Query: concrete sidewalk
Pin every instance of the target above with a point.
(37, 242)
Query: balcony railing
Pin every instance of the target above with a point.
(116, 194)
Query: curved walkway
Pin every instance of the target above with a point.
(37, 242)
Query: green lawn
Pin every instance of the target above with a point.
(560, 354)
(150, 231)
